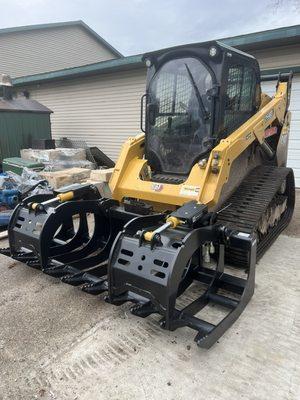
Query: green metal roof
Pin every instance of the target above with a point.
(61, 25)
(279, 34)
(85, 70)
(135, 61)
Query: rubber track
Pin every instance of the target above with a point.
(250, 201)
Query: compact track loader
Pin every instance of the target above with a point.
(197, 198)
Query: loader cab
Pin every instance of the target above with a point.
(195, 96)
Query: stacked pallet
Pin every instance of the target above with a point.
(57, 179)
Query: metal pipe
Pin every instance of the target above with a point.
(274, 77)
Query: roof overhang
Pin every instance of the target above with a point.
(258, 40)
(272, 38)
(120, 64)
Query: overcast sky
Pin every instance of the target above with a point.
(135, 26)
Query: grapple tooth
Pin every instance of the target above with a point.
(95, 288)
(25, 257)
(143, 310)
(34, 263)
(59, 271)
(5, 251)
(74, 280)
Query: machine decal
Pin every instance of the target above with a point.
(157, 187)
(189, 190)
(269, 115)
(270, 131)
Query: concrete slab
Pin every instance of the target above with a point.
(57, 342)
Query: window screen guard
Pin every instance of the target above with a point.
(180, 131)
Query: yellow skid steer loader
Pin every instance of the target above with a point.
(197, 198)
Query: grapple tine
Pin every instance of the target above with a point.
(58, 271)
(74, 280)
(5, 251)
(95, 288)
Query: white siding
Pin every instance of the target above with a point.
(43, 50)
(294, 143)
(104, 110)
(277, 57)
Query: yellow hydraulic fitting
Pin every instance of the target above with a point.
(60, 197)
(149, 236)
(33, 206)
(173, 221)
(65, 196)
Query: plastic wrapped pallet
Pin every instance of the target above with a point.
(61, 154)
(58, 159)
(61, 165)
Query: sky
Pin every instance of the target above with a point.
(136, 26)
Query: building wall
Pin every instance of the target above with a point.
(104, 111)
(283, 56)
(294, 141)
(43, 50)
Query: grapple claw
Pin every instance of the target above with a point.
(74, 280)
(95, 288)
(155, 277)
(5, 251)
(59, 271)
(143, 310)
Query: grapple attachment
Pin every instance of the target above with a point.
(155, 276)
(63, 233)
(150, 260)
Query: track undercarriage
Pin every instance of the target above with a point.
(115, 258)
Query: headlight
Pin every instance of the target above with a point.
(212, 51)
(148, 62)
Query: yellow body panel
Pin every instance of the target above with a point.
(204, 184)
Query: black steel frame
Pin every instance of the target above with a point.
(131, 277)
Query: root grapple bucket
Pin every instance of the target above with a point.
(97, 245)
(154, 277)
(63, 238)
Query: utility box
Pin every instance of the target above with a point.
(22, 120)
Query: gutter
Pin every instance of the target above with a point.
(114, 65)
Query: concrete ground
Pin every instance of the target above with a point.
(57, 342)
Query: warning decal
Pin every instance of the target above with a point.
(189, 190)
